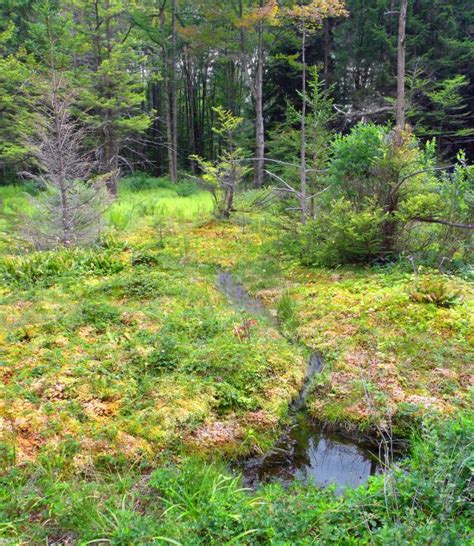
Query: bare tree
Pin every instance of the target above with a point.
(401, 103)
(70, 209)
(258, 95)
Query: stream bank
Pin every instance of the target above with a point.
(305, 451)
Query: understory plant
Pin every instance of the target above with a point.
(223, 177)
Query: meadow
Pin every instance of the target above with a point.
(127, 388)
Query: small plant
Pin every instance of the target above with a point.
(436, 290)
(145, 258)
(286, 311)
(244, 331)
(166, 356)
(45, 268)
(98, 315)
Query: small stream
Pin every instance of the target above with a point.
(305, 451)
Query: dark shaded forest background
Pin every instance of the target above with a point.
(148, 75)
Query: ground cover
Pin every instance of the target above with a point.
(124, 369)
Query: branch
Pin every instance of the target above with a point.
(405, 178)
(363, 113)
(292, 190)
(443, 222)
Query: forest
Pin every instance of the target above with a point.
(236, 272)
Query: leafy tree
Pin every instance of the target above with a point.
(109, 78)
(223, 177)
(18, 86)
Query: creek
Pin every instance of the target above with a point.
(305, 451)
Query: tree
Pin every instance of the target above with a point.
(18, 88)
(223, 176)
(69, 210)
(401, 51)
(266, 11)
(107, 69)
(285, 140)
(310, 18)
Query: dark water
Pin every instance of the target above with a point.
(305, 451)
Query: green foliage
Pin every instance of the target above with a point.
(99, 315)
(166, 356)
(145, 258)
(427, 500)
(209, 498)
(342, 234)
(286, 312)
(436, 290)
(45, 268)
(223, 177)
(439, 108)
(354, 157)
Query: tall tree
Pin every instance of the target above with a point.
(401, 53)
(309, 18)
(108, 68)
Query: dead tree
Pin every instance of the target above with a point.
(401, 51)
(69, 211)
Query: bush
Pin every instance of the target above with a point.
(351, 173)
(343, 235)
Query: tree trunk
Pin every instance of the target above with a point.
(401, 103)
(174, 98)
(110, 161)
(303, 190)
(259, 122)
(168, 103)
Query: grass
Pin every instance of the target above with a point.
(157, 206)
(125, 389)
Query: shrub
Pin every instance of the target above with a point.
(342, 234)
(436, 290)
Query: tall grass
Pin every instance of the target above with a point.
(152, 200)
(141, 199)
(134, 207)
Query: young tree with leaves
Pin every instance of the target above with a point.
(223, 177)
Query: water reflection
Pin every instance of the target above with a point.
(309, 454)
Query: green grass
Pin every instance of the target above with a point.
(191, 503)
(133, 209)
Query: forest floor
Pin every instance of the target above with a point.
(119, 359)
